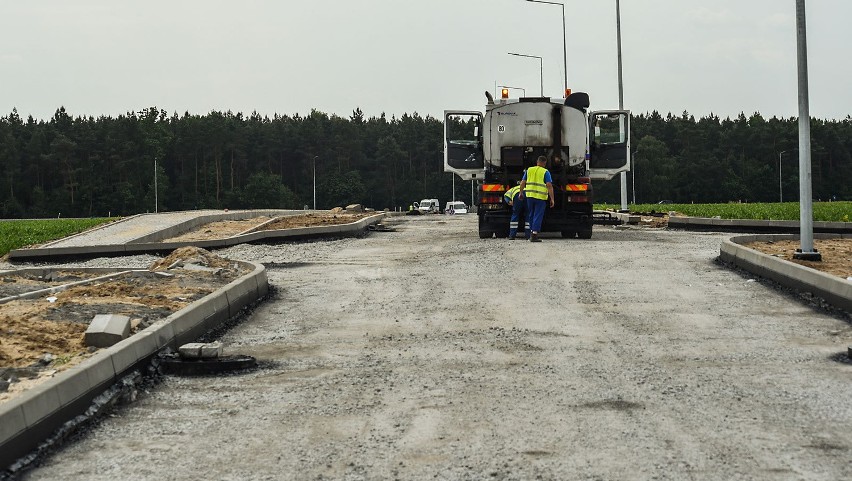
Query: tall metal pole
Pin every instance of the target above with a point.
(564, 42)
(156, 200)
(780, 180)
(315, 182)
(806, 220)
(620, 96)
(564, 51)
(780, 185)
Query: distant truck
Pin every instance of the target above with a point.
(496, 149)
(429, 206)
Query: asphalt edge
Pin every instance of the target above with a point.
(835, 290)
(29, 419)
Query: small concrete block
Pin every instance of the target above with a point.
(211, 350)
(106, 330)
(191, 350)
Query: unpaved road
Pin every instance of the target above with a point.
(427, 353)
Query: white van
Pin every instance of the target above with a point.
(429, 206)
(455, 207)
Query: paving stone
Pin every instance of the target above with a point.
(107, 329)
(200, 350)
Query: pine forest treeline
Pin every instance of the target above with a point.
(91, 167)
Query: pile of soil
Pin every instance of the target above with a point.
(315, 219)
(219, 229)
(229, 228)
(41, 336)
(184, 256)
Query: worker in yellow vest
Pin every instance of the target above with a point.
(513, 199)
(537, 187)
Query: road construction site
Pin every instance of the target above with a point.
(424, 352)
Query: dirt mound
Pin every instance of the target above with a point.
(315, 219)
(190, 255)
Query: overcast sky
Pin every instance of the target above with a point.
(107, 57)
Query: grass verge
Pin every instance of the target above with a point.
(823, 211)
(15, 234)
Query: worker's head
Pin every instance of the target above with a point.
(541, 160)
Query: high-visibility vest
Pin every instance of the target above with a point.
(510, 194)
(535, 187)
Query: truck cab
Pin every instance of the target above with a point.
(497, 147)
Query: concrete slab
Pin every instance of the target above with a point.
(106, 330)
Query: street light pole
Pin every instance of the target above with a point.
(564, 43)
(633, 174)
(156, 200)
(620, 96)
(540, 66)
(806, 213)
(315, 181)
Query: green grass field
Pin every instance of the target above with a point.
(823, 211)
(15, 234)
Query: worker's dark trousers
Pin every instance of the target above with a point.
(517, 221)
(535, 213)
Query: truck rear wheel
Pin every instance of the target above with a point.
(569, 234)
(585, 233)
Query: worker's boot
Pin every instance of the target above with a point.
(534, 237)
(513, 233)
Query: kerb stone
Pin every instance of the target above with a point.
(106, 330)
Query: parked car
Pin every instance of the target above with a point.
(455, 207)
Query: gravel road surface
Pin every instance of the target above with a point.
(427, 353)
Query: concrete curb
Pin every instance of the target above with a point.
(835, 290)
(139, 247)
(188, 225)
(757, 226)
(32, 417)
